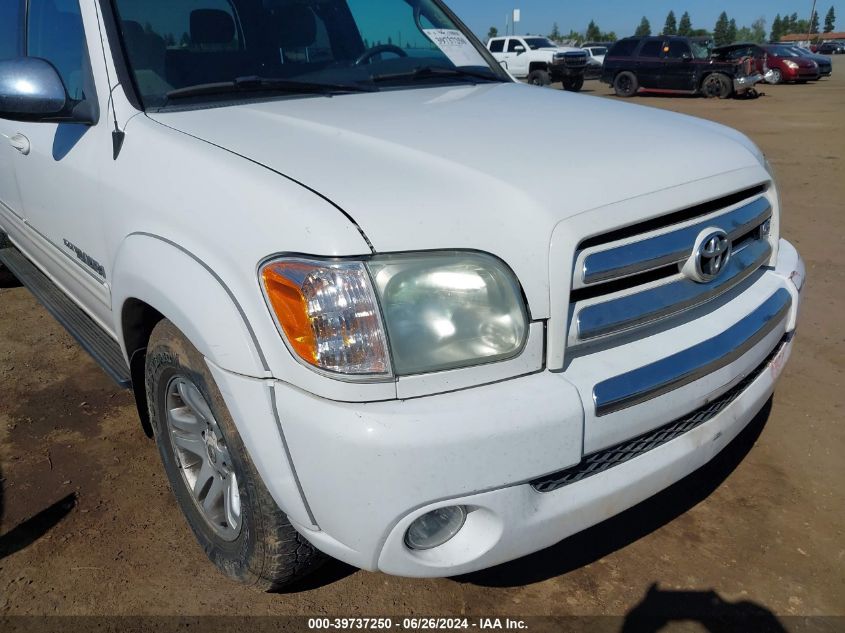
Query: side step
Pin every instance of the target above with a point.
(90, 336)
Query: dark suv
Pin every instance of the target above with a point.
(675, 65)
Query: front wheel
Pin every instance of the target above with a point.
(625, 84)
(716, 85)
(776, 76)
(539, 78)
(573, 84)
(227, 506)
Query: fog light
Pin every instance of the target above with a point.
(435, 528)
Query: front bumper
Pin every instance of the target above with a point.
(743, 84)
(368, 471)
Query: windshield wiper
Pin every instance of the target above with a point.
(428, 72)
(259, 84)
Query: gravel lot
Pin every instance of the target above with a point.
(89, 525)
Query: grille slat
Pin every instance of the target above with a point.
(604, 460)
(621, 287)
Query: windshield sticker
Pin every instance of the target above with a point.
(456, 47)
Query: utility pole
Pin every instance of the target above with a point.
(810, 25)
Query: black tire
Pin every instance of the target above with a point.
(573, 84)
(716, 85)
(267, 554)
(539, 78)
(625, 84)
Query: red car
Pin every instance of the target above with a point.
(787, 65)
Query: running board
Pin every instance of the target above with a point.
(90, 336)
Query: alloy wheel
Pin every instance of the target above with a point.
(203, 458)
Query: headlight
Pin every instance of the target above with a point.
(449, 310)
(328, 314)
(791, 64)
(438, 311)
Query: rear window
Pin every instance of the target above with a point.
(497, 46)
(623, 48)
(11, 27)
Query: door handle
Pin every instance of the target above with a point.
(20, 143)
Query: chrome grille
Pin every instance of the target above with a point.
(640, 279)
(575, 60)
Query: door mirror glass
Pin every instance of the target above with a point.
(31, 90)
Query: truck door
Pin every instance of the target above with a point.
(58, 175)
(679, 69)
(650, 64)
(11, 46)
(517, 59)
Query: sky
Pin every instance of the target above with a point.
(623, 16)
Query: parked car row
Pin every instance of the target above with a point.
(784, 63)
(691, 65)
(831, 48)
(677, 64)
(660, 64)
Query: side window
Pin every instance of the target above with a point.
(497, 46)
(623, 48)
(678, 49)
(55, 33)
(513, 44)
(652, 48)
(11, 29)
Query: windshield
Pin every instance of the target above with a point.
(535, 43)
(701, 49)
(280, 48)
(783, 51)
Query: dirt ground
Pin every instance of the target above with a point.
(89, 525)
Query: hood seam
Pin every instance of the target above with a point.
(285, 176)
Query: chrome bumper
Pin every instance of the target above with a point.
(741, 84)
(683, 368)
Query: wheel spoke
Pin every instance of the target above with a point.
(193, 398)
(195, 445)
(232, 502)
(206, 473)
(215, 497)
(184, 419)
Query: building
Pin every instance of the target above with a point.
(800, 39)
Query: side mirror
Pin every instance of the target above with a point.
(686, 57)
(31, 90)
(519, 49)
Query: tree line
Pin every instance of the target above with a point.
(725, 31)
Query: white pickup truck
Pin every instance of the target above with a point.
(352, 325)
(539, 61)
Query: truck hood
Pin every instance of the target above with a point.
(470, 167)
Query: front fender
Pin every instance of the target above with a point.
(194, 298)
